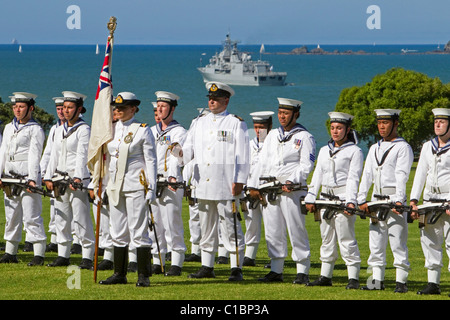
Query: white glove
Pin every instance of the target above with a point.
(150, 196)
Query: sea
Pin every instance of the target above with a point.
(317, 80)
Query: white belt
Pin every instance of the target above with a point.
(438, 190)
(18, 157)
(334, 190)
(387, 191)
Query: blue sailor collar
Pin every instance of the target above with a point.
(18, 126)
(435, 146)
(284, 136)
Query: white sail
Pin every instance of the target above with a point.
(97, 50)
(20, 48)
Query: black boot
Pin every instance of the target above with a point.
(120, 267)
(144, 266)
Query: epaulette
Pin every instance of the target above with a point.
(143, 125)
(238, 117)
(199, 116)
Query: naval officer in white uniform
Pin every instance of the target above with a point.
(433, 172)
(218, 143)
(338, 170)
(69, 156)
(387, 168)
(131, 150)
(262, 124)
(20, 153)
(168, 205)
(288, 155)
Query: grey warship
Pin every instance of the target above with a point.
(237, 68)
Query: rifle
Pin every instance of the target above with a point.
(162, 183)
(15, 183)
(332, 206)
(61, 181)
(272, 187)
(235, 215)
(151, 223)
(383, 206)
(429, 213)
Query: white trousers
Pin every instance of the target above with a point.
(215, 215)
(253, 220)
(395, 231)
(283, 217)
(129, 221)
(24, 212)
(169, 226)
(73, 214)
(194, 229)
(339, 231)
(432, 238)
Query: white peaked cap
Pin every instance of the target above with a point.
(24, 96)
(73, 96)
(340, 117)
(58, 100)
(216, 88)
(387, 113)
(261, 116)
(289, 103)
(166, 96)
(441, 113)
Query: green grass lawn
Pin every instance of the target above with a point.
(20, 282)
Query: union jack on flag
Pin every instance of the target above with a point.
(105, 77)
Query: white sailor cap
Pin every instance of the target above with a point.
(340, 117)
(13, 99)
(290, 104)
(262, 116)
(168, 97)
(76, 98)
(387, 113)
(441, 113)
(24, 97)
(59, 101)
(219, 89)
(154, 105)
(126, 99)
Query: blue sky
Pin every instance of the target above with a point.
(207, 21)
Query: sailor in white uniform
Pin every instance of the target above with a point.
(168, 205)
(338, 170)
(288, 155)
(387, 167)
(131, 151)
(262, 124)
(218, 143)
(433, 172)
(59, 102)
(20, 153)
(69, 158)
(194, 218)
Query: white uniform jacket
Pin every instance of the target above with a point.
(163, 139)
(141, 155)
(48, 147)
(287, 156)
(21, 149)
(433, 171)
(219, 145)
(387, 167)
(338, 169)
(69, 152)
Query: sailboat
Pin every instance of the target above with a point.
(97, 50)
(20, 48)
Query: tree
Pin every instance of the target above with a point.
(46, 120)
(414, 93)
